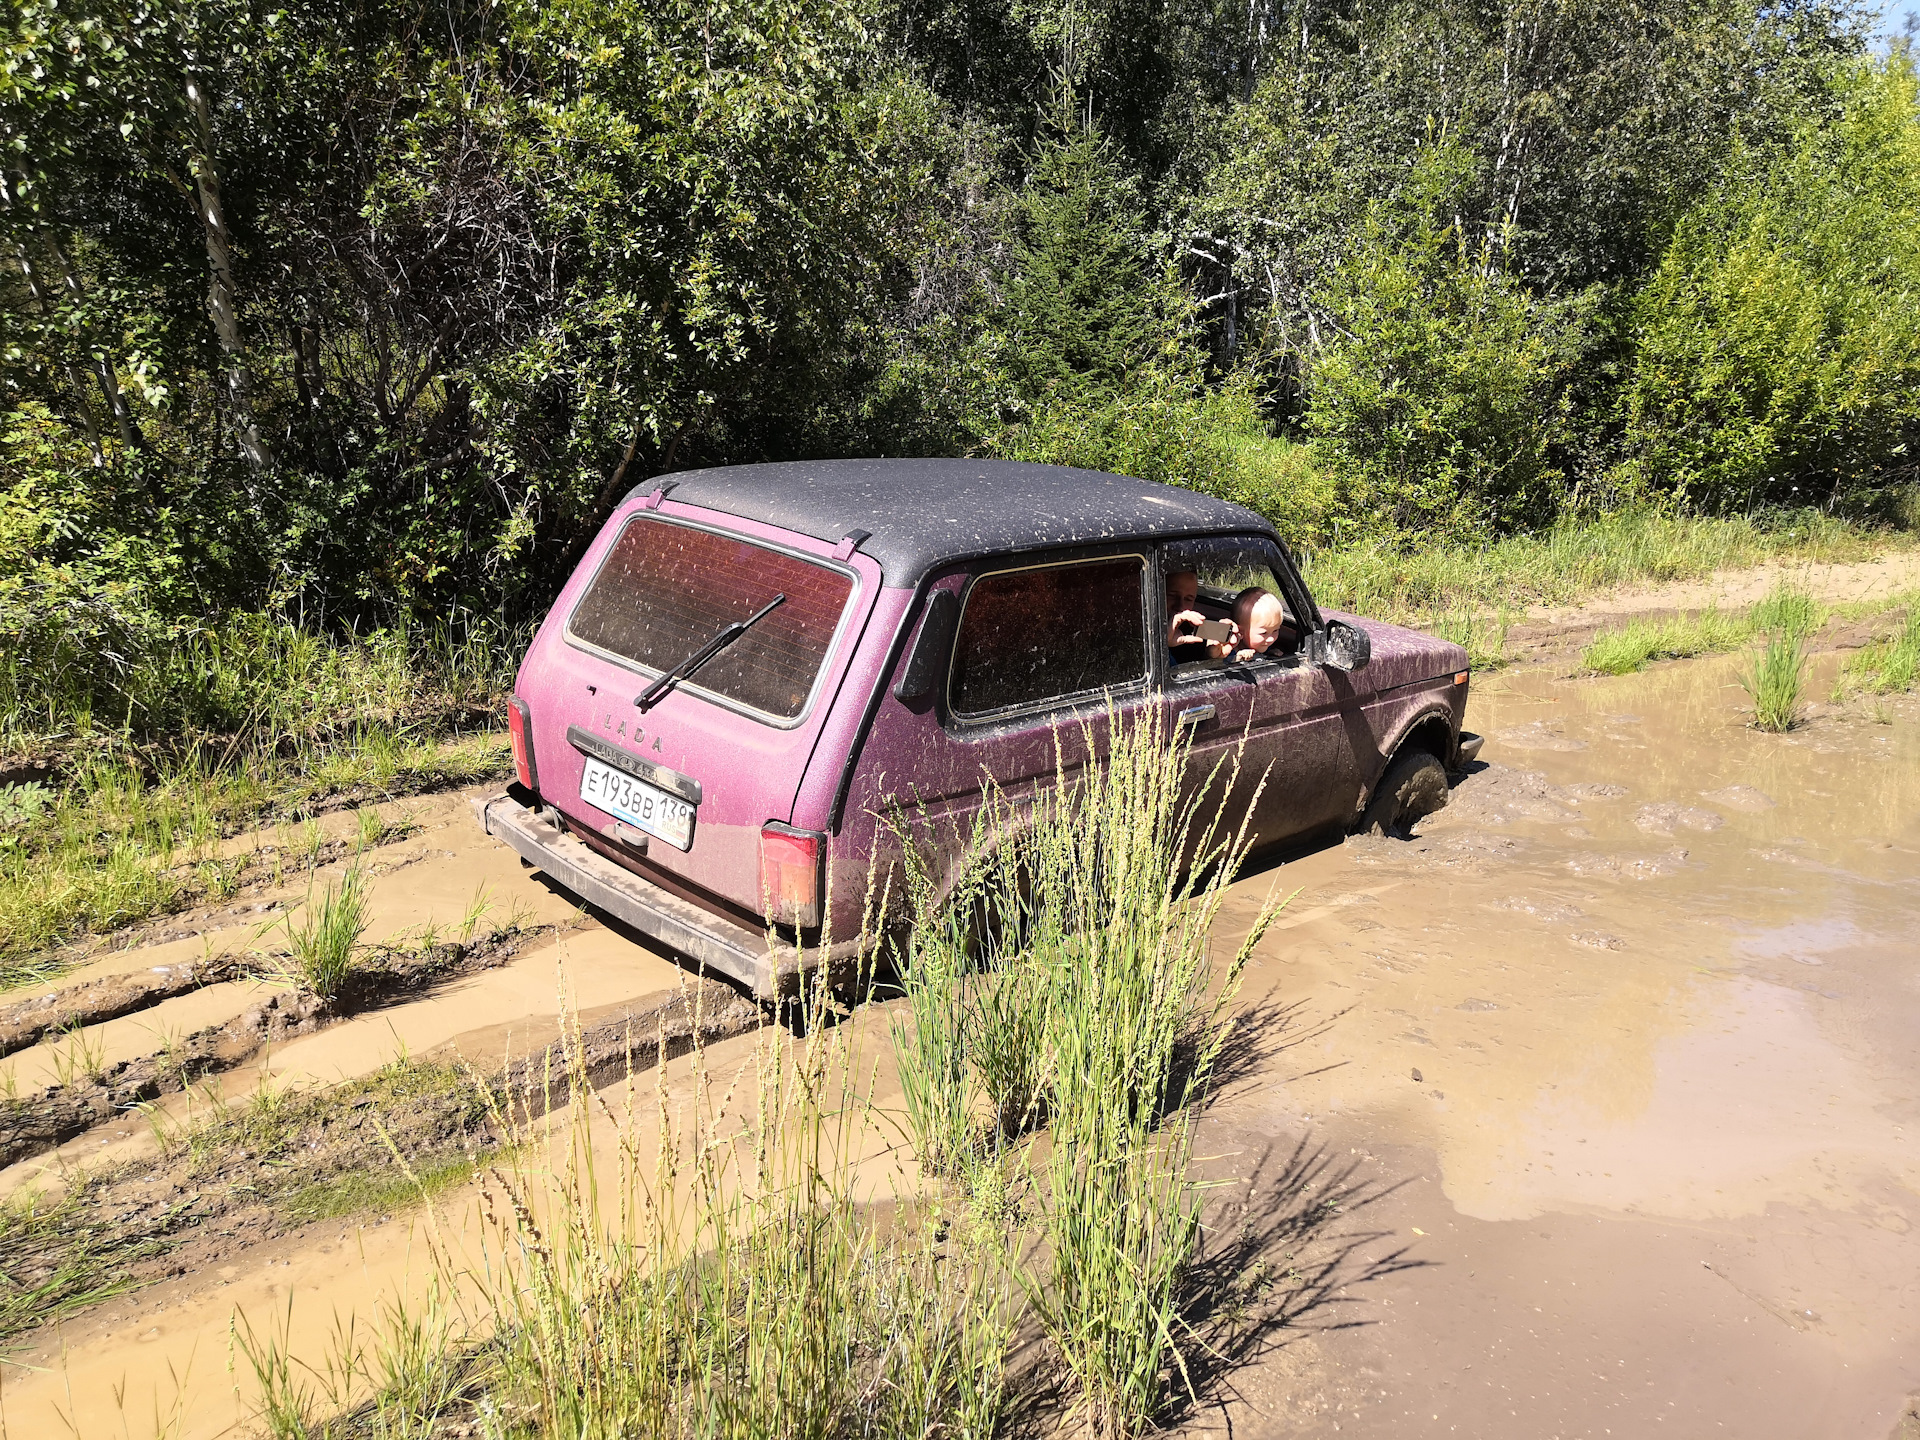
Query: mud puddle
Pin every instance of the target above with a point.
(1585, 1112)
(1619, 1065)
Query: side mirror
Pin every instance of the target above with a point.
(1347, 647)
(930, 652)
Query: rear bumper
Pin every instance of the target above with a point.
(710, 941)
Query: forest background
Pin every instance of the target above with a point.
(347, 321)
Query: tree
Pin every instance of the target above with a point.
(1778, 353)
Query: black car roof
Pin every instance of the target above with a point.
(922, 513)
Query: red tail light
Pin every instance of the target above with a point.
(520, 727)
(790, 873)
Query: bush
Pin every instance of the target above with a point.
(1440, 406)
(1779, 342)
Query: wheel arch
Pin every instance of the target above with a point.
(1430, 731)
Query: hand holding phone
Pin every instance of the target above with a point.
(1214, 631)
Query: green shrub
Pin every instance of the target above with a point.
(1778, 344)
(1438, 407)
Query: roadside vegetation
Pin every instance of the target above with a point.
(667, 1267)
(242, 1170)
(106, 821)
(1889, 667)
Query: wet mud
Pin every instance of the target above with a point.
(36, 1123)
(1585, 1111)
(1611, 1077)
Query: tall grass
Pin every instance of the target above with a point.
(706, 1271)
(1776, 671)
(1089, 1003)
(323, 936)
(1774, 676)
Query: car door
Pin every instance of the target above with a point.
(1274, 725)
(1044, 651)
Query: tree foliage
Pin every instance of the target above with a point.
(1778, 342)
(362, 313)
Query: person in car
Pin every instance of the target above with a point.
(1262, 619)
(1183, 595)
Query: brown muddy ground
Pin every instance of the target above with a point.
(1586, 1112)
(1592, 1111)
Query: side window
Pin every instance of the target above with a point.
(1044, 632)
(1210, 578)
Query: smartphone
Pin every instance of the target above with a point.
(1214, 631)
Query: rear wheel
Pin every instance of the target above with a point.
(1414, 786)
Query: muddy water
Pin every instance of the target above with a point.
(167, 1351)
(1632, 1033)
(1587, 1112)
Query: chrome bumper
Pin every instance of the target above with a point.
(709, 940)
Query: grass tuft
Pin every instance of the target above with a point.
(323, 936)
(1776, 672)
(1773, 680)
(1890, 667)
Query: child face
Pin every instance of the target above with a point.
(1263, 624)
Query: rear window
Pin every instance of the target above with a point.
(1032, 635)
(665, 590)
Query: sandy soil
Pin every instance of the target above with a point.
(1587, 1112)
(1845, 583)
(1545, 633)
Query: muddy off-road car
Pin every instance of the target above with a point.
(755, 667)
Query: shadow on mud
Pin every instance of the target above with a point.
(1287, 1254)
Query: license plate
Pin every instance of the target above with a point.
(643, 806)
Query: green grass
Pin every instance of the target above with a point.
(385, 1191)
(1774, 677)
(1392, 578)
(62, 1256)
(713, 1277)
(1626, 648)
(225, 726)
(681, 1267)
(1890, 667)
(1679, 637)
(323, 936)
(1086, 1002)
(116, 845)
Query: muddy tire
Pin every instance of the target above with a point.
(1414, 786)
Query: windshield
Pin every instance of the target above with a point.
(666, 589)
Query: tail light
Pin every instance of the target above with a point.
(790, 873)
(520, 727)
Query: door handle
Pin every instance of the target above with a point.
(1193, 715)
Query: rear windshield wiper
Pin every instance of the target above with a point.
(652, 695)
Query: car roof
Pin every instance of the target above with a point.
(923, 513)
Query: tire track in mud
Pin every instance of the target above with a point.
(34, 1125)
(249, 1178)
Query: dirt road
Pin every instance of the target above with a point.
(1587, 1112)
(1596, 1109)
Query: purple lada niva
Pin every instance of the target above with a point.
(754, 667)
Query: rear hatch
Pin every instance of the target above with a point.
(680, 784)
